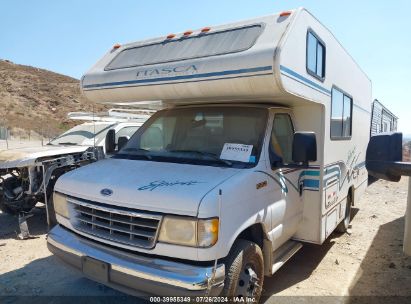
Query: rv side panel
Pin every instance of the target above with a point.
(345, 92)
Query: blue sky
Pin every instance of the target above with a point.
(69, 36)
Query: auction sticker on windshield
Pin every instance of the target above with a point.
(236, 152)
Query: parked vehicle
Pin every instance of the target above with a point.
(382, 119)
(260, 148)
(28, 175)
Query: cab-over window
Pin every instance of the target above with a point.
(315, 56)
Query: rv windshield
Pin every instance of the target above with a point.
(218, 135)
(83, 134)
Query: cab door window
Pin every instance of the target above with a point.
(282, 137)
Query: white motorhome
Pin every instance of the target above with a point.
(260, 148)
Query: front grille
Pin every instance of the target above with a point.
(116, 224)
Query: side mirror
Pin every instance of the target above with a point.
(304, 147)
(110, 141)
(122, 141)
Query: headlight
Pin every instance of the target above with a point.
(189, 232)
(60, 204)
(178, 231)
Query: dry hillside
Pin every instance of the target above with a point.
(37, 99)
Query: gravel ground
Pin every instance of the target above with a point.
(367, 263)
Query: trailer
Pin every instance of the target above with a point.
(260, 148)
(382, 119)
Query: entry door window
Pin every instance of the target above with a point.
(282, 137)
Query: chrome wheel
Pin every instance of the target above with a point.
(248, 282)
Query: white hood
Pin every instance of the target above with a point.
(145, 185)
(23, 157)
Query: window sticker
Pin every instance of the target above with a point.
(236, 152)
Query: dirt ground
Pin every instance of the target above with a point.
(366, 264)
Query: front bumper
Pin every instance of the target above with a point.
(135, 274)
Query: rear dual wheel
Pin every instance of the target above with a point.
(345, 223)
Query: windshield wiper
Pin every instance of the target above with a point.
(202, 153)
(149, 157)
(68, 144)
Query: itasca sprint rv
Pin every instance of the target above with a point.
(260, 148)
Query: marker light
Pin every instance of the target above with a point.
(116, 46)
(188, 33)
(205, 29)
(284, 14)
(170, 36)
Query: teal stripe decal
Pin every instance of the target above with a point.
(306, 81)
(311, 183)
(311, 173)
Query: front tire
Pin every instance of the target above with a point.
(5, 209)
(14, 208)
(245, 271)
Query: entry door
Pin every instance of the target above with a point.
(286, 213)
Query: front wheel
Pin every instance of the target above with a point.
(15, 207)
(5, 209)
(245, 271)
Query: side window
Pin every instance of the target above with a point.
(282, 137)
(126, 131)
(315, 56)
(341, 112)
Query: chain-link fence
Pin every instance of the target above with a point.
(16, 137)
(3, 133)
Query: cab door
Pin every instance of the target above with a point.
(286, 212)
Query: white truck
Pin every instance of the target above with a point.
(28, 174)
(260, 148)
